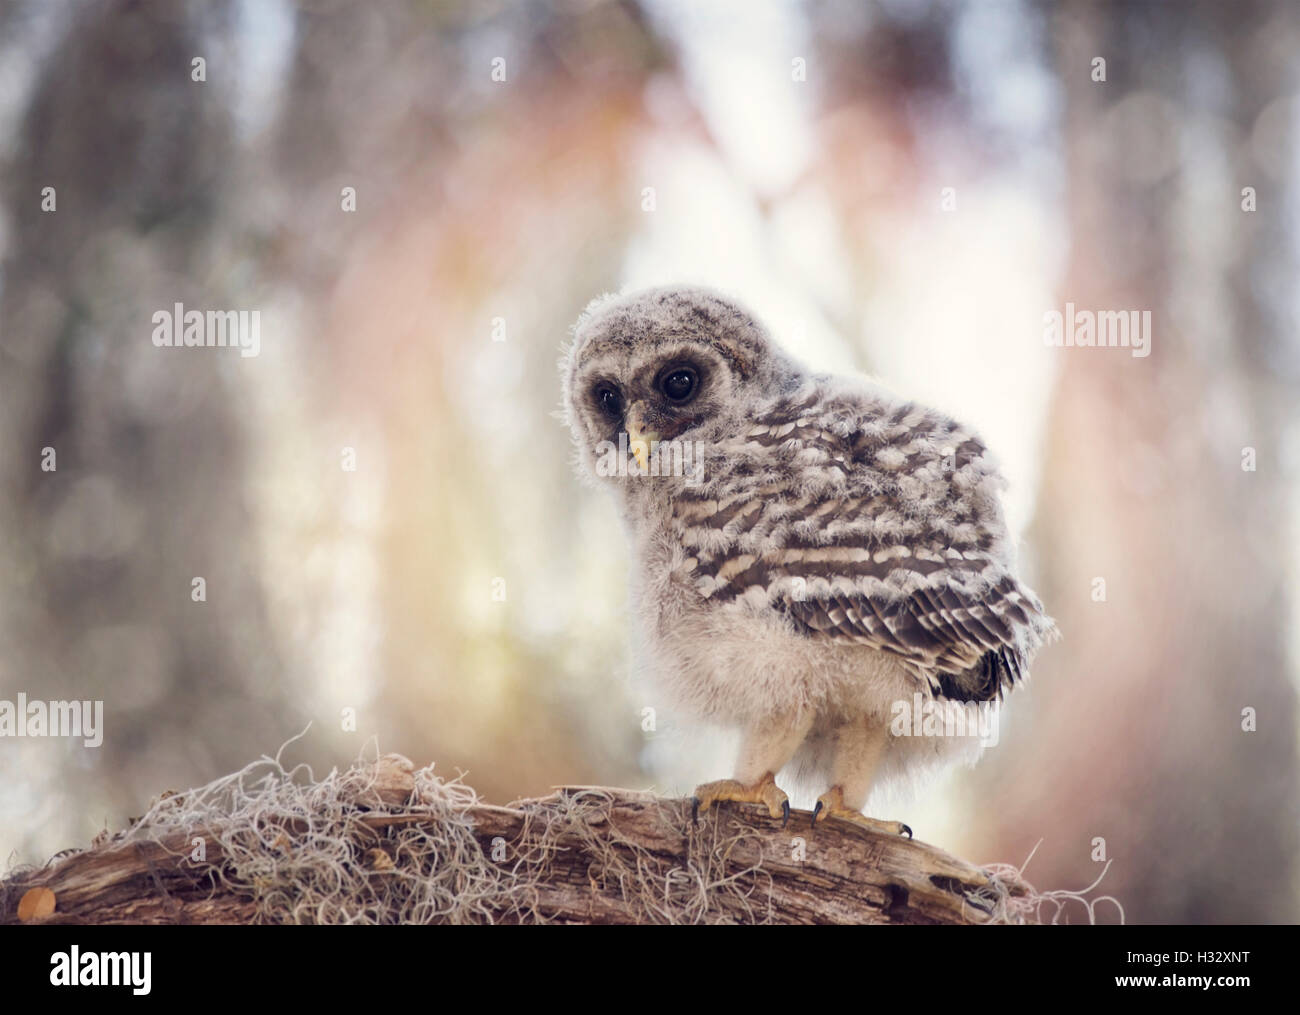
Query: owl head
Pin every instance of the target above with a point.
(667, 364)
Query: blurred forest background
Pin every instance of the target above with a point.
(903, 188)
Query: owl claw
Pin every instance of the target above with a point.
(831, 804)
(765, 791)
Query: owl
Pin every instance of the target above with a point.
(811, 556)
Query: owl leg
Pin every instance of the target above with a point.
(764, 751)
(858, 748)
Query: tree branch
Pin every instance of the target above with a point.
(400, 846)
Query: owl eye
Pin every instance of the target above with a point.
(609, 400)
(679, 384)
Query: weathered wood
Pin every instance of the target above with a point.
(591, 837)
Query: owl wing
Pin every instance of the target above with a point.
(881, 529)
(970, 647)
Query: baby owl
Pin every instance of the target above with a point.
(808, 551)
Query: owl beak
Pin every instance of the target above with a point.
(639, 439)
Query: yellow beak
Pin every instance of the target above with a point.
(639, 439)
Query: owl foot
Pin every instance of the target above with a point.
(831, 803)
(765, 791)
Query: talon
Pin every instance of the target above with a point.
(765, 792)
(832, 801)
